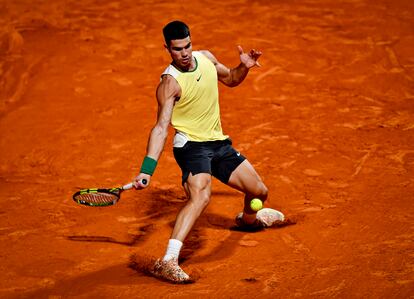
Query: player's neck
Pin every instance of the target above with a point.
(190, 68)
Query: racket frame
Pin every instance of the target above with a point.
(112, 191)
(115, 192)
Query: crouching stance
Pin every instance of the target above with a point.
(188, 99)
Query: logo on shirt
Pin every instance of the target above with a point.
(198, 79)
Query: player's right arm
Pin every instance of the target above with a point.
(168, 92)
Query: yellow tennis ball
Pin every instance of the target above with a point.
(256, 204)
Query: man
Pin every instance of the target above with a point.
(188, 99)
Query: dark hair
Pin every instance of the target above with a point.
(175, 30)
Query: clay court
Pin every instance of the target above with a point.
(327, 121)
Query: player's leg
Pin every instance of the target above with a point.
(233, 169)
(191, 159)
(194, 160)
(198, 188)
(245, 179)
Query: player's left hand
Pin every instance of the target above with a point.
(249, 59)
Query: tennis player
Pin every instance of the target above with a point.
(188, 99)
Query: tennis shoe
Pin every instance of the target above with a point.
(264, 218)
(270, 217)
(170, 270)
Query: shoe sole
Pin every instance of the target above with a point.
(163, 278)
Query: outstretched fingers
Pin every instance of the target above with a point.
(240, 50)
(254, 54)
(249, 59)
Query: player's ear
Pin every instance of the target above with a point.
(167, 48)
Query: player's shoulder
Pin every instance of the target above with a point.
(169, 84)
(168, 80)
(209, 55)
(171, 71)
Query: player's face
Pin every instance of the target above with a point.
(181, 52)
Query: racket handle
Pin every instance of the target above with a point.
(130, 185)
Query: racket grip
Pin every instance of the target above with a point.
(130, 185)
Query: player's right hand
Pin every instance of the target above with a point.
(141, 181)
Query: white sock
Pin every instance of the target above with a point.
(173, 249)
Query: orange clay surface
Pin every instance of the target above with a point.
(328, 122)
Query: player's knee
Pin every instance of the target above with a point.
(200, 195)
(261, 191)
(204, 200)
(200, 200)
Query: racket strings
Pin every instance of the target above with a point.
(97, 198)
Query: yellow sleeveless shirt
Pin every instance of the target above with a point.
(197, 112)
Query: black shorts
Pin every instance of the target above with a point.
(217, 158)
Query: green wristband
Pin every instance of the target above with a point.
(148, 165)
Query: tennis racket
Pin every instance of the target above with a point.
(101, 197)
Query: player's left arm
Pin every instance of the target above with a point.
(235, 76)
